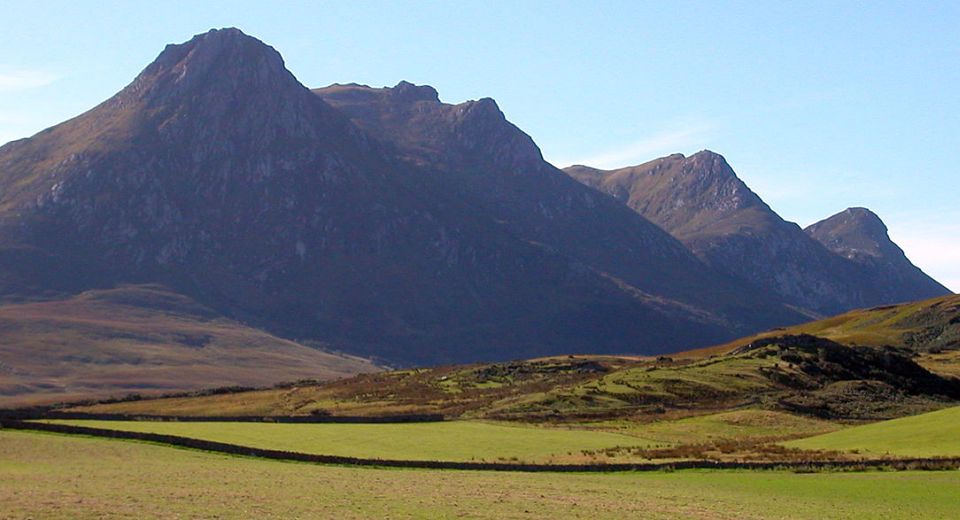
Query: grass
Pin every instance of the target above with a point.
(450, 390)
(931, 434)
(945, 363)
(452, 440)
(574, 390)
(53, 476)
(922, 325)
(750, 424)
(709, 383)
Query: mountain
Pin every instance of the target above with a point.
(859, 235)
(473, 151)
(701, 201)
(426, 238)
(143, 339)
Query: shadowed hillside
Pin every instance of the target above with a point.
(143, 339)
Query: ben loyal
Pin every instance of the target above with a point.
(597, 260)
(386, 224)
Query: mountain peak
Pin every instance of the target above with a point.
(406, 91)
(859, 235)
(686, 196)
(706, 154)
(708, 163)
(854, 232)
(225, 58)
(864, 216)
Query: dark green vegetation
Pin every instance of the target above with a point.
(142, 339)
(51, 476)
(840, 263)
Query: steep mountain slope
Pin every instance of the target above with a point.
(473, 151)
(218, 174)
(859, 235)
(700, 200)
(143, 339)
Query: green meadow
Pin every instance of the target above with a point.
(933, 434)
(450, 440)
(59, 476)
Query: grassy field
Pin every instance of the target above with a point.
(750, 424)
(453, 440)
(927, 435)
(53, 476)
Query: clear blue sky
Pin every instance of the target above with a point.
(817, 105)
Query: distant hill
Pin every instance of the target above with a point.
(701, 201)
(864, 365)
(143, 339)
(928, 327)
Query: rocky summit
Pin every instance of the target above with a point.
(832, 267)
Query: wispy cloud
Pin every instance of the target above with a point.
(23, 79)
(677, 137)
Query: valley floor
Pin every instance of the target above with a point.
(55, 476)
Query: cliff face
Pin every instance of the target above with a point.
(701, 201)
(381, 222)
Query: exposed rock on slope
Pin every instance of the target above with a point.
(436, 236)
(700, 200)
(474, 152)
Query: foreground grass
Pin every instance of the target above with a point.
(453, 440)
(748, 424)
(53, 476)
(926, 435)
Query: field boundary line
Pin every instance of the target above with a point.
(234, 449)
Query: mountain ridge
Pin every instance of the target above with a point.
(700, 200)
(218, 174)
